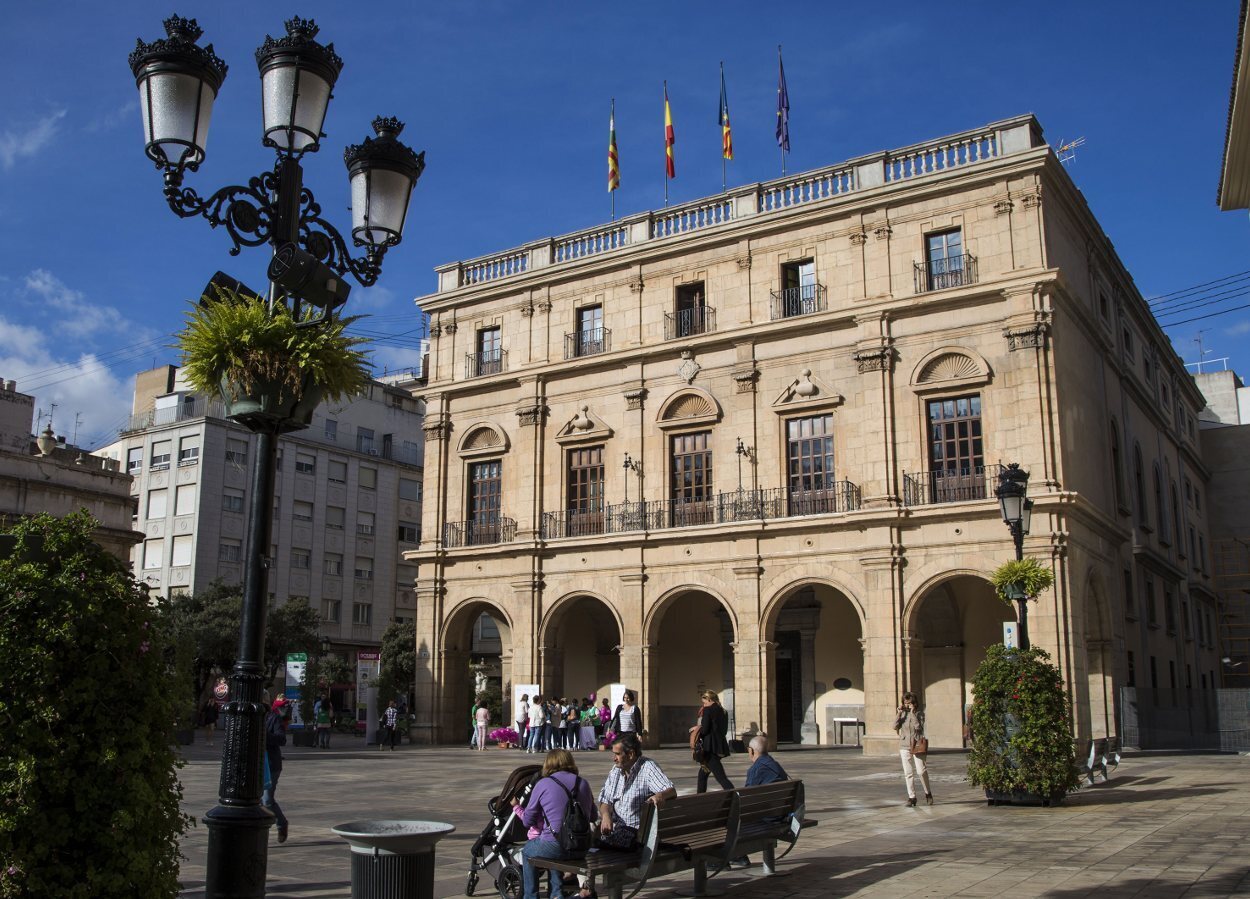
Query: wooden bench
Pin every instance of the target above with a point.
(693, 833)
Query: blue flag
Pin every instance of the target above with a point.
(783, 107)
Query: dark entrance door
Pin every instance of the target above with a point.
(786, 683)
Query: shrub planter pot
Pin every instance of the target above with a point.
(1021, 798)
(270, 407)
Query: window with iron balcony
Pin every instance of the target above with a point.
(591, 337)
(691, 316)
(489, 357)
(800, 294)
(946, 264)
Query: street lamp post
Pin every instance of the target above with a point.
(1017, 512)
(178, 82)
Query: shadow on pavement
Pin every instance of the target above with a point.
(1234, 883)
(831, 876)
(1099, 796)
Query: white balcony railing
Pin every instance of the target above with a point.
(968, 148)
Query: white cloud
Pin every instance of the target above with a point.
(1240, 329)
(77, 316)
(107, 121)
(370, 299)
(19, 144)
(79, 385)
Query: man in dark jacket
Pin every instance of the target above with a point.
(764, 768)
(275, 739)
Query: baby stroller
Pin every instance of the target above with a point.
(497, 851)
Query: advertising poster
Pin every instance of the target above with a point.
(368, 667)
(296, 664)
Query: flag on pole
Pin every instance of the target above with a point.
(783, 107)
(614, 166)
(727, 140)
(670, 170)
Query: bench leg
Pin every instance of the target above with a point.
(700, 887)
(770, 861)
(614, 887)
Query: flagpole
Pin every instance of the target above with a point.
(780, 146)
(724, 181)
(612, 190)
(666, 144)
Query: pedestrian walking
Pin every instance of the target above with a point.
(390, 721)
(275, 738)
(710, 742)
(208, 719)
(538, 715)
(913, 747)
(482, 720)
(323, 717)
(523, 720)
(627, 719)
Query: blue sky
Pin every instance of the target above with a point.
(510, 102)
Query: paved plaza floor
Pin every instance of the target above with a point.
(1166, 825)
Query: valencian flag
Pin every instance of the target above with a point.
(670, 170)
(727, 140)
(783, 107)
(614, 166)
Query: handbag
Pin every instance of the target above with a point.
(920, 745)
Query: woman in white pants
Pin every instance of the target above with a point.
(910, 727)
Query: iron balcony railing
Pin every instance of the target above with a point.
(954, 486)
(794, 301)
(689, 322)
(719, 508)
(479, 532)
(490, 362)
(591, 342)
(952, 271)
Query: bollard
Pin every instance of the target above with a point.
(393, 859)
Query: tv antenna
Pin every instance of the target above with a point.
(1202, 351)
(77, 422)
(1066, 151)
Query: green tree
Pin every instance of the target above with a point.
(399, 663)
(88, 788)
(206, 625)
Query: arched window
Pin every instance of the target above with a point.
(1139, 482)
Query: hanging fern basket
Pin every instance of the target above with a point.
(271, 406)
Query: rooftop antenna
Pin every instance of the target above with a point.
(1202, 352)
(1066, 151)
(50, 414)
(77, 422)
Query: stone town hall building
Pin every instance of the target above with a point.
(749, 444)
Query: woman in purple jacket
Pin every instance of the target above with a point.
(544, 814)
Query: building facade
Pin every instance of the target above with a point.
(750, 444)
(348, 502)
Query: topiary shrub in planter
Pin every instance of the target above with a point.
(88, 787)
(1022, 749)
(269, 369)
(1021, 579)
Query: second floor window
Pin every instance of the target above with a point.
(800, 294)
(485, 491)
(691, 484)
(489, 351)
(809, 443)
(944, 260)
(691, 313)
(584, 497)
(589, 336)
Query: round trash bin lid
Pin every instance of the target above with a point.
(393, 836)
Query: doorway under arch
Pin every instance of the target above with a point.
(476, 659)
(817, 681)
(692, 634)
(955, 622)
(580, 657)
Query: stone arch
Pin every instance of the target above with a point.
(688, 405)
(580, 639)
(950, 366)
(483, 438)
(950, 622)
(815, 629)
(689, 633)
(911, 600)
(462, 642)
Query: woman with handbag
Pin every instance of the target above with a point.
(710, 743)
(913, 746)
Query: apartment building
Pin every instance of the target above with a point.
(347, 504)
(750, 444)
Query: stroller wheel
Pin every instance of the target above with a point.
(471, 885)
(509, 882)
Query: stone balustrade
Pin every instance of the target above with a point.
(957, 151)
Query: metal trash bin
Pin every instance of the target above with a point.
(393, 859)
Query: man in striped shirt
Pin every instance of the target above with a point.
(390, 720)
(635, 781)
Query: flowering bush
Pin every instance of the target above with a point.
(504, 735)
(1021, 738)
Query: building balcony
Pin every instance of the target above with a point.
(931, 487)
(689, 322)
(490, 362)
(940, 274)
(587, 343)
(793, 301)
(479, 532)
(200, 407)
(720, 508)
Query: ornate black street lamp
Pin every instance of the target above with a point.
(178, 83)
(1017, 511)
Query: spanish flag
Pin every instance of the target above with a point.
(669, 138)
(614, 166)
(727, 140)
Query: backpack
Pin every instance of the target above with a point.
(575, 830)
